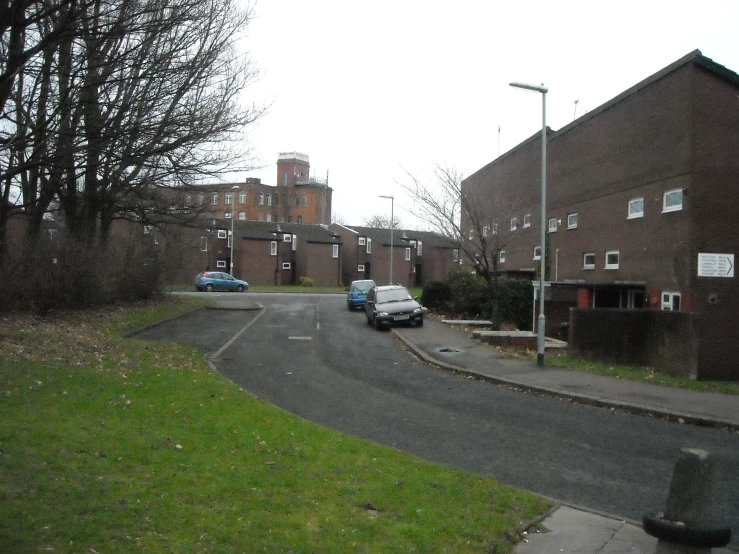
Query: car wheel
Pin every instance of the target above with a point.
(241, 288)
(419, 323)
(208, 288)
(377, 324)
(369, 321)
(349, 306)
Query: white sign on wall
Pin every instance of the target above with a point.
(715, 265)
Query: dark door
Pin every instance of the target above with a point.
(367, 274)
(419, 275)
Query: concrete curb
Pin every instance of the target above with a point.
(635, 408)
(254, 308)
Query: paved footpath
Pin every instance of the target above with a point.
(570, 530)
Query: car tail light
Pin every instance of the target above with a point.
(206, 274)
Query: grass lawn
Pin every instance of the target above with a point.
(110, 444)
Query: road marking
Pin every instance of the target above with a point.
(300, 338)
(318, 325)
(237, 335)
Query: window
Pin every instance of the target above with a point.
(407, 254)
(230, 239)
(537, 252)
(361, 241)
(455, 254)
(671, 301)
(527, 221)
(420, 248)
(269, 199)
(672, 201)
(300, 220)
(335, 252)
(501, 256)
(51, 233)
(285, 265)
(147, 229)
(214, 198)
(203, 244)
(227, 214)
(228, 198)
(287, 237)
(188, 199)
(369, 245)
(261, 199)
(221, 233)
(472, 234)
(201, 199)
(295, 242)
(485, 230)
(273, 248)
(242, 216)
(360, 268)
(636, 208)
(221, 264)
(284, 178)
(242, 197)
(588, 260)
(514, 223)
(268, 218)
(572, 221)
(612, 259)
(553, 225)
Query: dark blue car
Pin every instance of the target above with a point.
(217, 280)
(356, 294)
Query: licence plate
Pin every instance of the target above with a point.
(401, 317)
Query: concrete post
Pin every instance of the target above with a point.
(689, 499)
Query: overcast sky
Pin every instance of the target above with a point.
(371, 89)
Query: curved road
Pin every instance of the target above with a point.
(307, 354)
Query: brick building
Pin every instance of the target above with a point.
(638, 191)
(418, 256)
(296, 198)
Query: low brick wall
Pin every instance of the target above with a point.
(665, 341)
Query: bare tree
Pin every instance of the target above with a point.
(475, 215)
(379, 221)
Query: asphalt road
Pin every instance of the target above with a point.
(307, 354)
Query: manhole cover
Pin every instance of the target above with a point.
(448, 350)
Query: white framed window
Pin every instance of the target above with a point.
(214, 198)
(221, 264)
(636, 208)
(369, 245)
(455, 254)
(261, 199)
(222, 233)
(501, 256)
(286, 265)
(420, 248)
(485, 230)
(188, 199)
(273, 248)
(671, 301)
(527, 221)
(242, 197)
(269, 199)
(407, 254)
(227, 214)
(201, 199)
(242, 216)
(295, 242)
(203, 244)
(156, 237)
(335, 251)
(672, 201)
(51, 233)
(268, 218)
(228, 198)
(514, 223)
(612, 259)
(588, 260)
(552, 225)
(147, 229)
(572, 221)
(537, 252)
(362, 241)
(230, 239)
(472, 234)
(360, 268)
(413, 243)
(287, 237)
(300, 220)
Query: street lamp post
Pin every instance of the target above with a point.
(540, 333)
(233, 237)
(392, 226)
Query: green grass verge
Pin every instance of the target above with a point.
(116, 445)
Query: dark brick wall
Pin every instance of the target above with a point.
(665, 341)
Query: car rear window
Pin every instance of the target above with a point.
(363, 285)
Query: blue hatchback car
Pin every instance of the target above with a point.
(217, 280)
(356, 294)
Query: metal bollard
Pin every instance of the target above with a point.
(685, 525)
